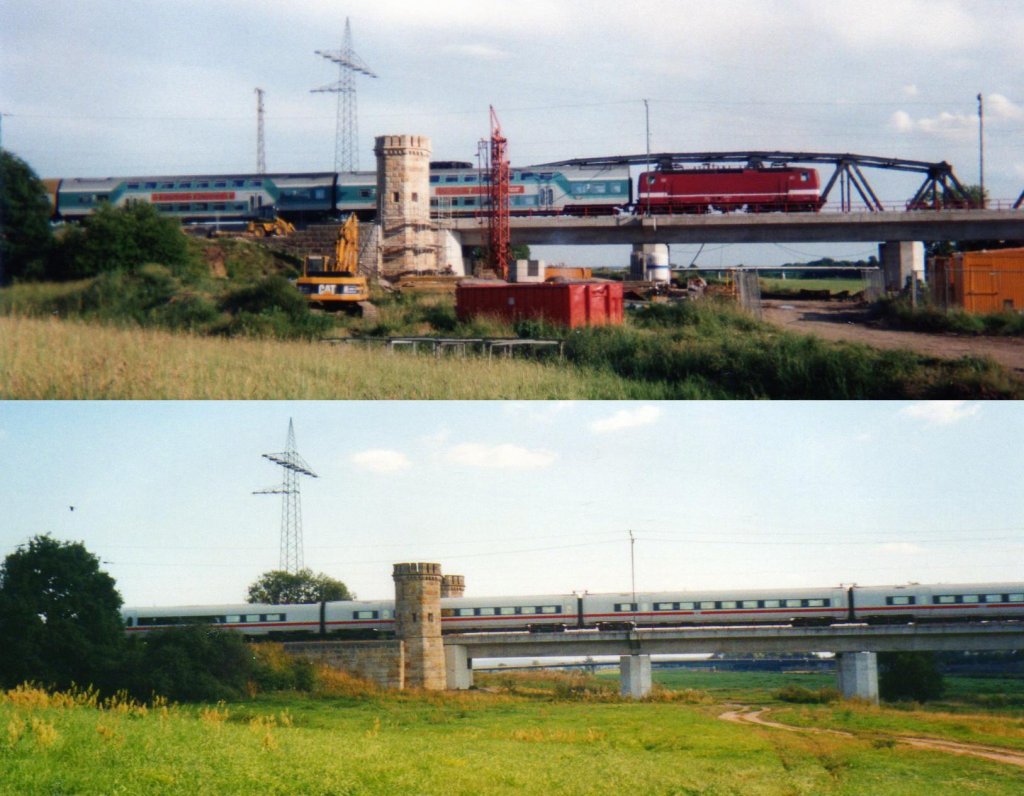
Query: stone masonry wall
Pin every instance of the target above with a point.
(380, 662)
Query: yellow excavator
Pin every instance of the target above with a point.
(334, 282)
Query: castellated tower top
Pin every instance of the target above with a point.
(392, 145)
(417, 570)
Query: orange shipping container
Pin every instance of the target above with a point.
(570, 304)
(985, 281)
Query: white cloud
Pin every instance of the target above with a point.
(941, 413)
(543, 411)
(949, 126)
(381, 461)
(627, 418)
(505, 456)
(999, 107)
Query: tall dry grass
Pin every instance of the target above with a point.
(55, 359)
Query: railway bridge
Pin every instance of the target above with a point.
(855, 645)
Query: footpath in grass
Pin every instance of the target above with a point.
(514, 738)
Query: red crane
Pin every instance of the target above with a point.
(499, 234)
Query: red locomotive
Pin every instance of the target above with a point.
(782, 189)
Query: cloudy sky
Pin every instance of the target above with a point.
(107, 87)
(523, 497)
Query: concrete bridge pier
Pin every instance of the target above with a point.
(635, 676)
(901, 261)
(458, 668)
(858, 675)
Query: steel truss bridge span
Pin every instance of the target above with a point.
(939, 188)
(952, 637)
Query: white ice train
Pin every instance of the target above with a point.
(556, 612)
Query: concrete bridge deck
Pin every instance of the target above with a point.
(960, 636)
(919, 225)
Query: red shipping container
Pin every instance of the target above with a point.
(570, 304)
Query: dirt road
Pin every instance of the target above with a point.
(747, 715)
(838, 320)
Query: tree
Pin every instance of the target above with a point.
(911, 676)
(25, 235)
(121, 239)
(278, 587)
(60, 620)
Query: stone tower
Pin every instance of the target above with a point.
(453, 585)
(418, 624)
(407, 236)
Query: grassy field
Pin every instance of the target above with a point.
(705, 352)
(522, 735)
(776, 285)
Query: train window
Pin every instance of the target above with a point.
(470, 178)
(167, 185)
(251, 618)
(771, 603)
(625, 607)
(233, 619)
(202, 206)
(666, 606)
(688, 606)
(133, 186)
(202, 184)
(470, 201)
(793, 603)
(485, 612)
(1015, 598)
(943, 599)
(507, 610)
(451, 178)
(993, 598)
(900, 600)
(184, 185)
(364, 615)
(725, 604)
(274, 618)
(435, 178)
(220, 207)
(817, 602)
(707, 605)
(238, 183)
(748, 604)
(550, 609)
(255, 184)
(220, 184)
(467, 612)
(970, 598)
(184, 208)
(150, 185)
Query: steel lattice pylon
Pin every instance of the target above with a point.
(346, 126)
(291, 507)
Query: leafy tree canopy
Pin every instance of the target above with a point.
(25, 235)
(279, 587)
(121, 239)
(60, 620)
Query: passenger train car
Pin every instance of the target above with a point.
(557, 612)
(456, 189)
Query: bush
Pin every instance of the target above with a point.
(25, 236)
(271, 307)
(909, 676)
(190, 664)
(806, 696)
(122, 239)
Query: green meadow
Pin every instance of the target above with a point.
(515, 734)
